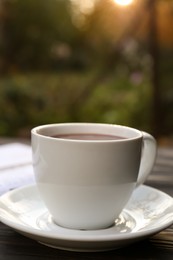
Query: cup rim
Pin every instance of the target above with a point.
(129, 133)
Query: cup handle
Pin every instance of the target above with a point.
(148, 157)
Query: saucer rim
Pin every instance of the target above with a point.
(140, 234)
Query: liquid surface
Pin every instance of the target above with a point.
(89, 136)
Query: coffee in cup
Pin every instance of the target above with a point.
(86, 172)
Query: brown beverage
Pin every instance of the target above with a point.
(89, 136)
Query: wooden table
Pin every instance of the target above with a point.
(14, 246)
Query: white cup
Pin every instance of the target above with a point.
(85, 184)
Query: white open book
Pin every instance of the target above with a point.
(15, 166)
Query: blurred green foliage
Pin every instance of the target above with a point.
(32, 30)
(60, 63)
(33, 99)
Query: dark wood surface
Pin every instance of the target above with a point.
(14, 246)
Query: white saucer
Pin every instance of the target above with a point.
(148, 212)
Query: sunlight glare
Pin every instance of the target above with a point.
(123, 2)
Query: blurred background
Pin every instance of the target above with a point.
(86, 61)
